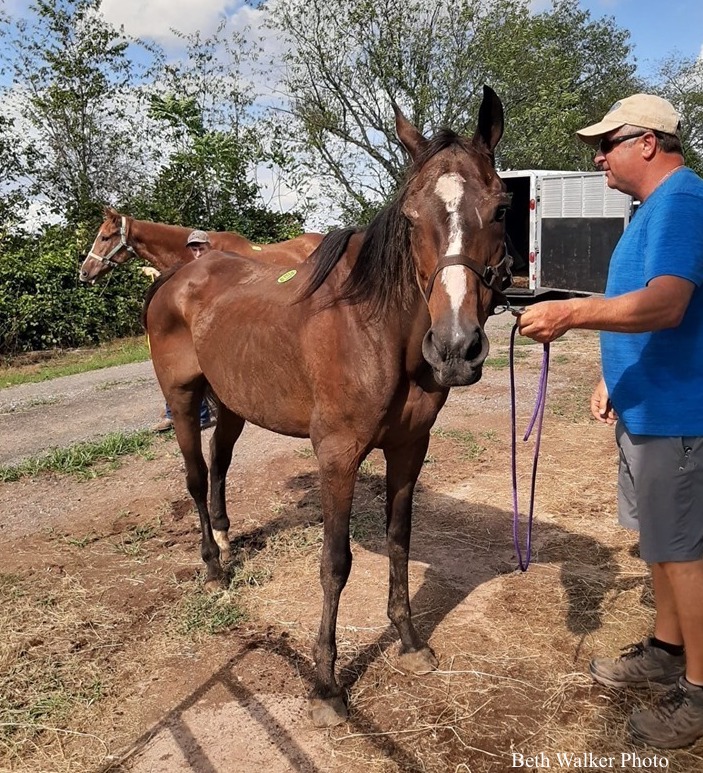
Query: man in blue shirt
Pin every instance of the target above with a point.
(652, 386)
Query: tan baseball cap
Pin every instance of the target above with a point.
(197, 237)
(645, 110)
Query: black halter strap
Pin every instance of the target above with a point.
(496, 278)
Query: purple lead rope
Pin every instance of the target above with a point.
(537, 417)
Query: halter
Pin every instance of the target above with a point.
(121, 246)
(491, 276)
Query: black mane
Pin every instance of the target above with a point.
(384, 272)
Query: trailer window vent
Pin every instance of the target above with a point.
(581, 196)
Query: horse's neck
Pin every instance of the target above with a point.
(162, 245)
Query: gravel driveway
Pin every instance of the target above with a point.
(71, 409)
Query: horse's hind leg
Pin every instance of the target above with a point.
(403, 465)
(185, 409)
(227, 430)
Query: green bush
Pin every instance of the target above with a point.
(44, 306)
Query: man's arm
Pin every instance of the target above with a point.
(660, 305)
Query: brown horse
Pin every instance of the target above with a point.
(164, 246)
(356, 349)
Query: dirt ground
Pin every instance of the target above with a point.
(115, 659)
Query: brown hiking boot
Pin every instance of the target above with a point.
(639, 665)
(676, 719)
(163, 425)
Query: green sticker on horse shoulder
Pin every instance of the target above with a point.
(287, 276)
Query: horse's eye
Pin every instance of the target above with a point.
(501, 212)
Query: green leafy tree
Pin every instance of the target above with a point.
(680, 80)
(555, 71)
(204, 115)
(73, 84)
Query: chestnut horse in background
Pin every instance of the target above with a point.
(121, 237)
(356, 348)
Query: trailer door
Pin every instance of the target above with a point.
(580, 224)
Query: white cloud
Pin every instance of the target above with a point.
(155, 19)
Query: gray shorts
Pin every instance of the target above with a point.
(660, 492)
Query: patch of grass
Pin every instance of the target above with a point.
(470, 447)
(294, 540)
(54, 637)
(81, 542)
(503, 360)
(21, 370)
(367, 469)
(366, 524)
(305, 453)
(83, 459)
(209, 613)
(249, 576)
(132, 543)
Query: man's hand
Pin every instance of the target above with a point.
(150, 271)
(546, 321)
(601, 407)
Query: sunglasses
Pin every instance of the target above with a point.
(607, 144)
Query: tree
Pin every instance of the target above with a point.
(555, 71)
(680, 80)
(73, 83)
(202, 110)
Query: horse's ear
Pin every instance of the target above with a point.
(490, 120)
(411, 138)
(110, 212)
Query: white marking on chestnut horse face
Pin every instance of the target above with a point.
(450, 189)
(478, 215)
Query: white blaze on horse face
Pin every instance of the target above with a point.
(95, 243)
(450, 189)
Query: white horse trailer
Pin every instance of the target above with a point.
(564, 226)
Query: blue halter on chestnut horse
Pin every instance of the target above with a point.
(356, 348)
(121, 237)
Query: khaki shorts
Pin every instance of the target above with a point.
(660, 492)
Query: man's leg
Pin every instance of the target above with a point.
(682, 584)
(666, 623)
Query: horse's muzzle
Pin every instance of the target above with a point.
(456, 360)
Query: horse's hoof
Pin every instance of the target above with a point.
(215, 584)
(419, 662)
(327, 712)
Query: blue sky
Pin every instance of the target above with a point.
(657, 27)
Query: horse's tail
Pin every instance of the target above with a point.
(165, 276)
(325, 258)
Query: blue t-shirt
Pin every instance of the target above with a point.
(655, 380)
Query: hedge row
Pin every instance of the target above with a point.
(44, 306)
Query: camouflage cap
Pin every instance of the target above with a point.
(197, 237)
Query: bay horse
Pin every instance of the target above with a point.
(356, 349)
(121, 237)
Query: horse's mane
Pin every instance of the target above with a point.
(384, 272)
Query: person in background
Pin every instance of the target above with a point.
(198, 243)
(652, 385)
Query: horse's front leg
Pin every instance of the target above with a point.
(227, 431)
(403, 465)
(338, 464)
